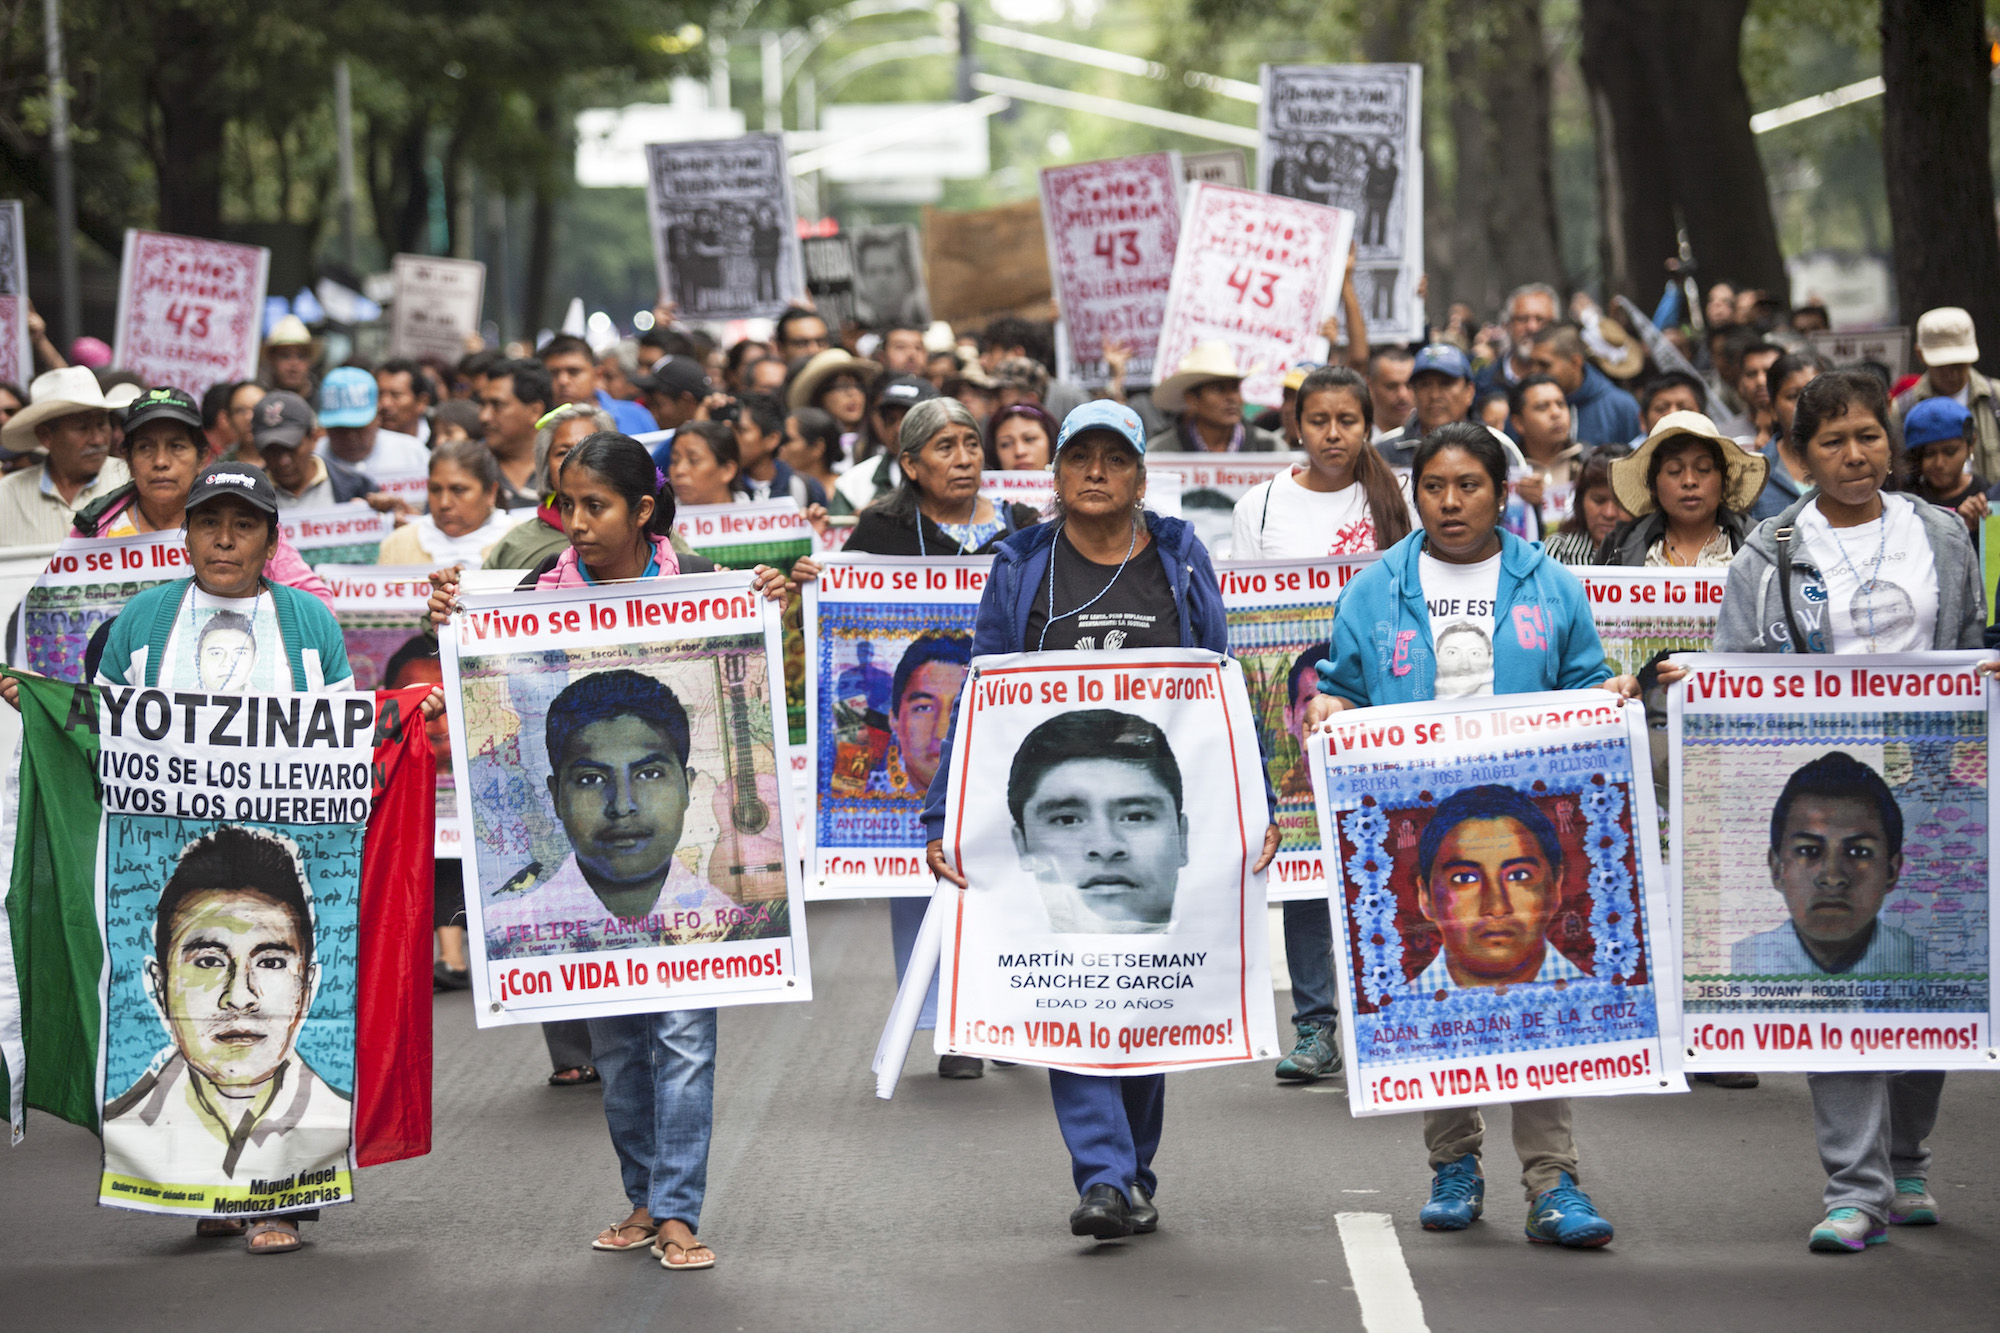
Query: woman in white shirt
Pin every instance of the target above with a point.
(1344, 500)
(464, 520)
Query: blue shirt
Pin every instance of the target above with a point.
(630, 418)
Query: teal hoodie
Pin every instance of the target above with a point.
(1543, 636)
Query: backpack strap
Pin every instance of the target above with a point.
(1783, 537)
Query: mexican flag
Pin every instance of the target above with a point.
(216, 947)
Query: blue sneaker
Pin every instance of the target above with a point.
(1565, 1216)
(1458, 1196)
(1847, 1230)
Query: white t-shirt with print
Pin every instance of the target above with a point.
(1881, 585)
(226, 645)
(1280, 520)
(1460, 598)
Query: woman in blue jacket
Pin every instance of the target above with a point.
(1464, 608)
(1106, 575)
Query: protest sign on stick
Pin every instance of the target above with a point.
(683, 893)
(1253, 271)
(168, 841)
(88, 581)
(1224, 166)
(1112, 230)
(17, 360)
(986, 262)
(1280, 616)
(1145, 953)
(190, 311)
(725, 236)
(1888, 348)
(889, 286)
(1832, 844)
(1351, 136)
(829, 266)
(890, 644)
(438, 302)
(1430, 812)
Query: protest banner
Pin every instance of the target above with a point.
(1257, 272)
(1224, 166)
(986, 262)
(725, 236)
(1642, 613)
(889, 286)
(829, 267)
(384, 613)
(1351, 136)
(1211, 484)
(762, 532)
(1112, 230)
(1832, 849)
(88, 581)
(1036, 488)
(1437, 809)
(349, 534)
(625, 801)
(190, 311)
(1107, 809)
(1888, 348)
(890, 642)
(17, 360)
(167, 845)
(438, 302)
(1280, 616)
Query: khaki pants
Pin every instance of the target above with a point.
(1542, 1138)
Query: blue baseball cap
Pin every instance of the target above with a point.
(1103, 414)
(1443, 358)
(1935, 419)
(347, 397)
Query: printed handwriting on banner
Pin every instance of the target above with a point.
(1436, 806)
(1884, 762)
(190, 311)
(1112, 229)
(1280, 619)
(685, 892)
(891, 645)
(1054, 753)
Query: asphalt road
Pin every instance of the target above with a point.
(945, 1209)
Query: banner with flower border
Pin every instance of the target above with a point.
(1501, 933)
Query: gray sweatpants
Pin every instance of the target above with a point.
(1871, 1129)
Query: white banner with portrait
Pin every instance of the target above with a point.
(1107, 808)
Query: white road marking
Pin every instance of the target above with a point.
(1382, 1283)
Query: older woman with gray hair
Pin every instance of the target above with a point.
(532, 542)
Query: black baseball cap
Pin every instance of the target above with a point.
(281, 418)
(246, 483)
(904, 391)
(676, 375)
(165, 403)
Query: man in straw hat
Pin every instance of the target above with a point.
(69, 420)
(288, 357)
(1206, 390)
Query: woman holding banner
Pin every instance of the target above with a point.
(1344, 500)
(1460, 608)
(1690, 489)
(1150, 577)
(658, 1069)
(1880, 573)
(935, 510)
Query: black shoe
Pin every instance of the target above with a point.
(961, 1066)
(448, 978)
(1145, 1216)
(1102, 1214)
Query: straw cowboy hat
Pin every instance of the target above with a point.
(55, 393)
(1628, 358)
(833, 361)
(291, 331)
(1743, 472)
(1205, 364)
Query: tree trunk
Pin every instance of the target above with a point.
(542, 224)
(1934, 155)
(188, 161)
(1503, 201)
(1639, 233)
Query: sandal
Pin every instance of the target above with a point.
(687, 1263)
(286, 1229)
(219, 1228)
(574, 1077)
(645, 1241)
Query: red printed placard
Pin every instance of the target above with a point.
(189, 310)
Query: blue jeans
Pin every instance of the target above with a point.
(1111, 1126)
(1309, 958)
(906, 918)
(659, 1100)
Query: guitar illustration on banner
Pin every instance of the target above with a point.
(748, 863)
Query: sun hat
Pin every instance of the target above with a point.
(823, 367)
(54, 393)
(1205, 363)
(1743, 478)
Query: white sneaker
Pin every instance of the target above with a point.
(1913, 1205)
(1847, 1229)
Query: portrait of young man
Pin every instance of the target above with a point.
(619, 782)
(1301, 688)
(233, 975)
(927, 680)
(1836, 855)
(1098, 821)
(1490, 870)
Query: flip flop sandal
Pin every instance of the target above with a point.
(582, 1074)
(688, 1248)
(219, 1228)
(644, 1242)
(266, 1228)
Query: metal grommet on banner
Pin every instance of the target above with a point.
(496, 1006)
(789, 981)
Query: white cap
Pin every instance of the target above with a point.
(1945, 337)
